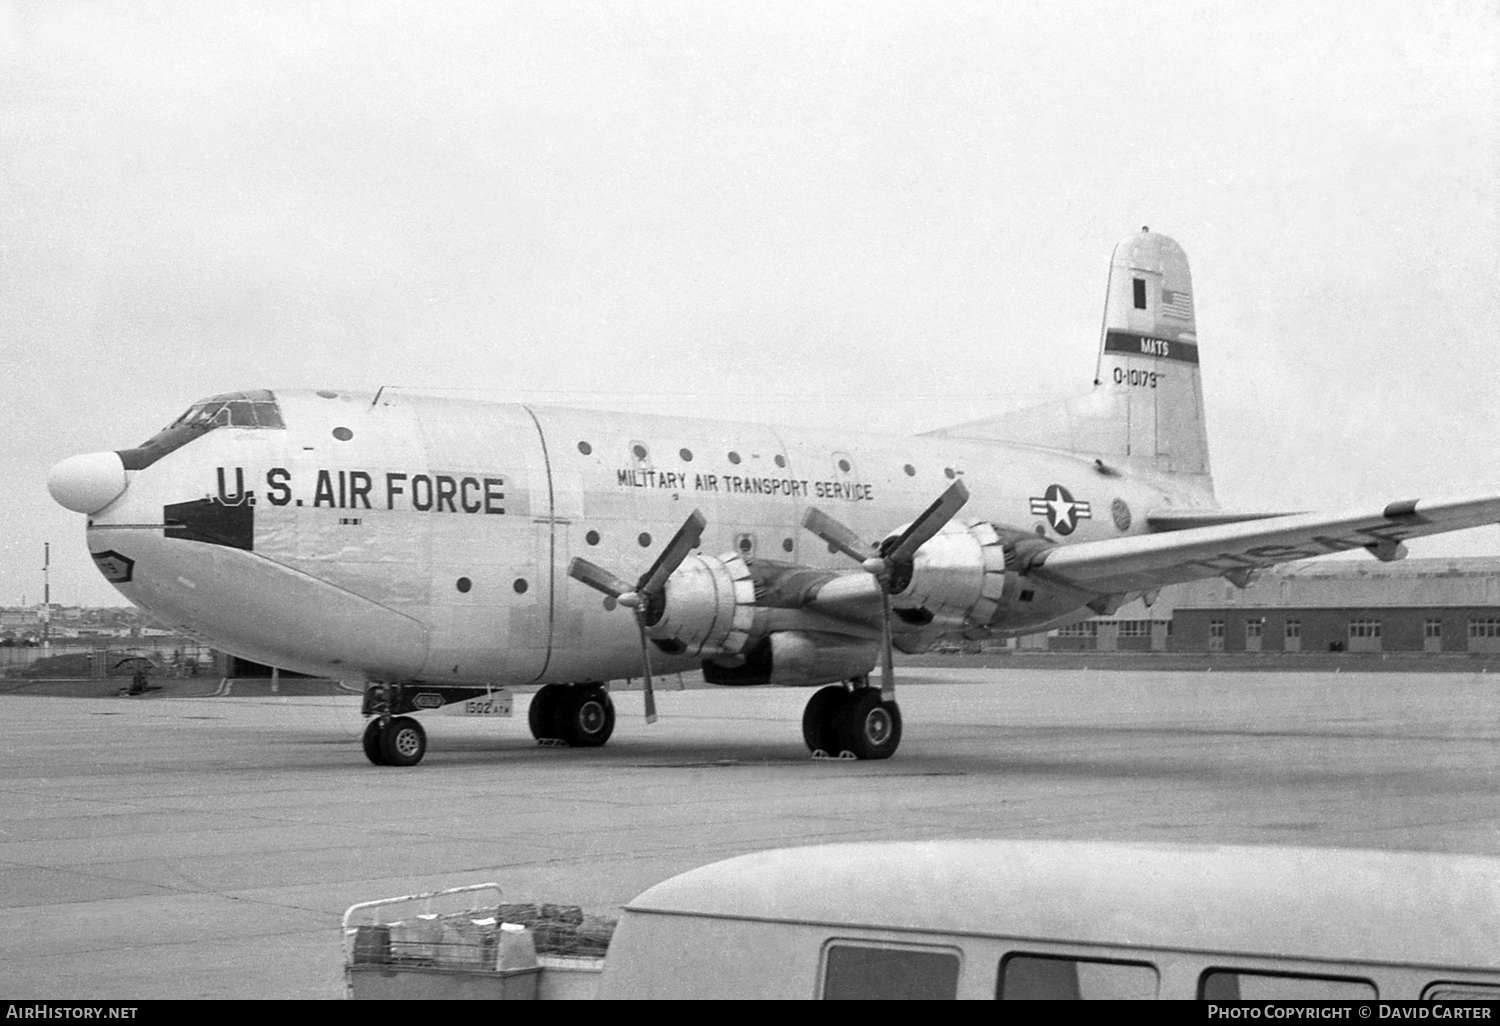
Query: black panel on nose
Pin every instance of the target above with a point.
(205, 520)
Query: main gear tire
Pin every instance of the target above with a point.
(372, 742)
(818, 731)
(868, 726)
(542, 716)
(585, 716)
(403, 742)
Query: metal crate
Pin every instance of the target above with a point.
(437, 945)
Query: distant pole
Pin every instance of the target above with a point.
(46, 594)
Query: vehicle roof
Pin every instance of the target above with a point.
(1322, 903)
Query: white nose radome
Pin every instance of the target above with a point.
(88, 483)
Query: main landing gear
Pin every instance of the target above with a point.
(851, 719)
(576, 715)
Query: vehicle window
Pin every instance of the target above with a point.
(1240, 985)
(1026, 977)
(1450, 991)
(863, 972)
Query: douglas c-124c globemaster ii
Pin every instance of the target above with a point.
(443, 550)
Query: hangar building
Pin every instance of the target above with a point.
(1345, 605)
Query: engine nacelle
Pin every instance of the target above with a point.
(957, 577)
(804, 658)
(799, 659)
(709, 607)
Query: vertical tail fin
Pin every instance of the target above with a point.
(1147, 402)
(1149, 353)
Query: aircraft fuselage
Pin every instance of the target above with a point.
(405, 537)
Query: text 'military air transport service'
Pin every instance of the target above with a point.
(444, 550)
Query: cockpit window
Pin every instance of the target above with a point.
(257, 409)
(240, 409)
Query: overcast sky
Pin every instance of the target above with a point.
(886, 215)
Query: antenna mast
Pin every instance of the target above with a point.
(46, 594)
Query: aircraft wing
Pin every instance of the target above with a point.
(1148, 562)
(1182, 520)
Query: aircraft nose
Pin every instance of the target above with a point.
(88, 483)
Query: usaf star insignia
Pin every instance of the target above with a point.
(1060, 508)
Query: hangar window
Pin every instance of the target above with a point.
(1484, 628)
(1026, 977)
(1216, 629)
(865, 972)
(1135, 628)
(257, 409)
(1293, 629)
(1364, 628)
(1237, 985)
(1140, 293)
(1432, 628)
(1255, 628)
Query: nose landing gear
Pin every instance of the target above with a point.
(395, 741)
(391, 739)
(372, 742)
(857, 721)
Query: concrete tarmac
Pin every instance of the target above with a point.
(174, 847)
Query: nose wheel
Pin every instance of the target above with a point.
(399, 741)
(372, 742)
(860, 723)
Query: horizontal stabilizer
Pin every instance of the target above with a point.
(1147, 562)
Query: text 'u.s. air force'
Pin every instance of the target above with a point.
(417, 491)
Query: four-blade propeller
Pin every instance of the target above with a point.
(891, 562)
(647, 598)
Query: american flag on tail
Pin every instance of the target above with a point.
(1176, 305)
